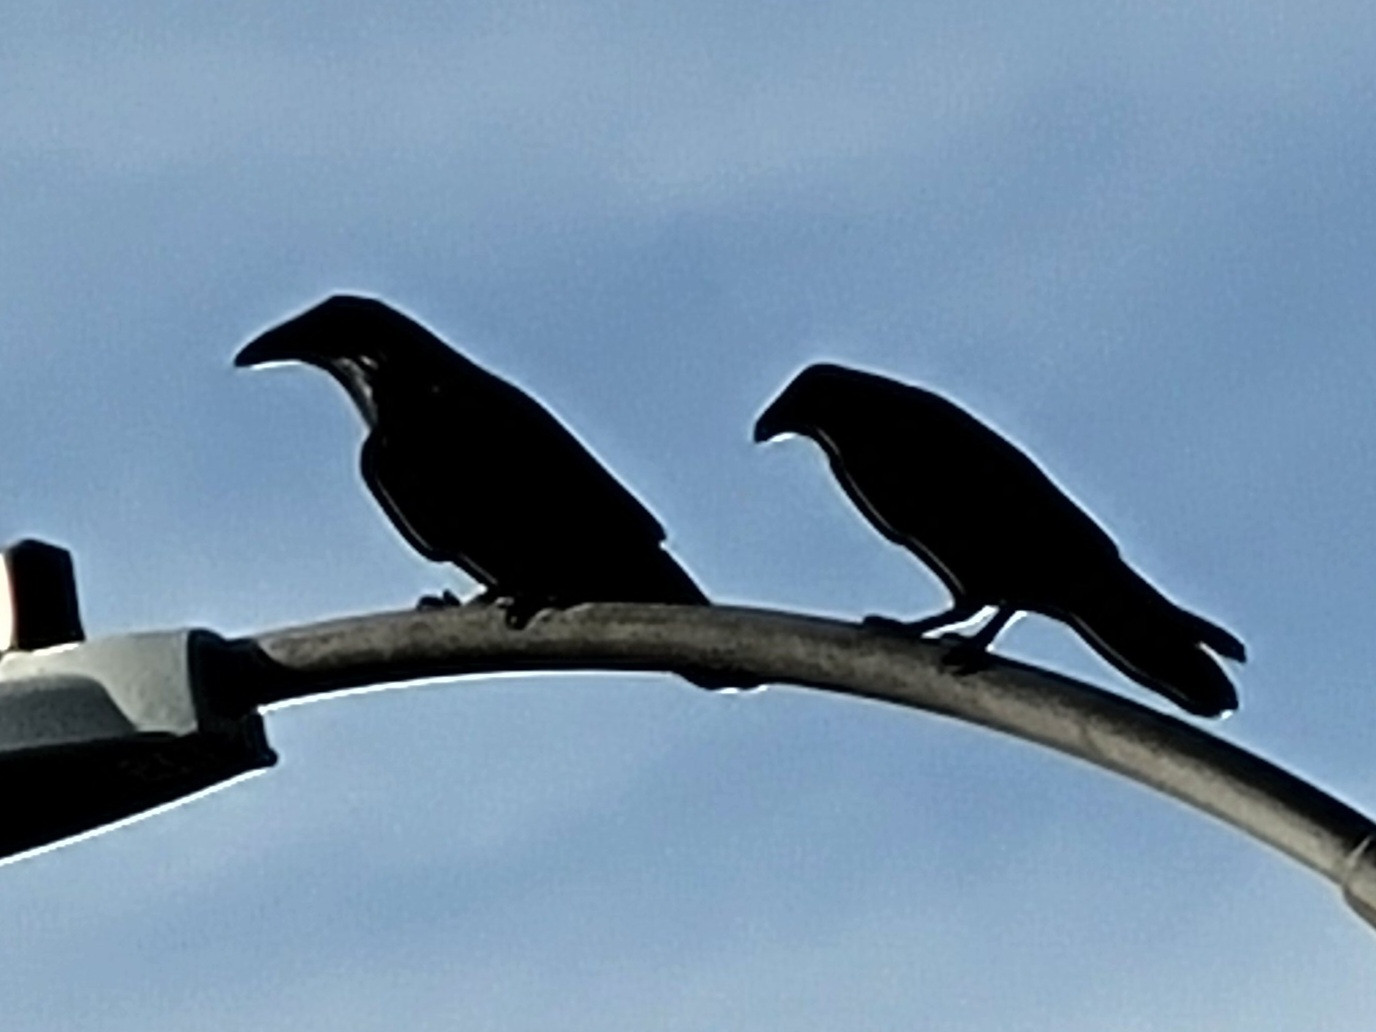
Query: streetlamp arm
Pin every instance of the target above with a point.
(1152, 748)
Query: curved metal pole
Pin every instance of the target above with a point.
(1069, 716)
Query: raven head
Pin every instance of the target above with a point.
(340, 328)
(803, 404)
(351, 338)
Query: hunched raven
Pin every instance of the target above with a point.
(996, 530)
(475, 472)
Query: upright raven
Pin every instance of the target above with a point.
(474, 472)
(995, 530)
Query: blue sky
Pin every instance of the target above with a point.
(1138, 239)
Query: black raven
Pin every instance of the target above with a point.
(996, 530)
(474, 472)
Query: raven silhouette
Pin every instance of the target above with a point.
(996, 530)
(475, 472)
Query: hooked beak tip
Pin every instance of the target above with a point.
(766, 429)
(250, 354)
(266, 347)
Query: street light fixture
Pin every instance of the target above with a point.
(92, 732)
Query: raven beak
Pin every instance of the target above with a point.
(272, 346)
(769, 425)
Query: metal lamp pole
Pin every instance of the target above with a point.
(93, 732)
(1152, 748)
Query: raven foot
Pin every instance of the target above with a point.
(917, 628)
(518, 612)
(964, 655)
(445, 600)
(884, 623)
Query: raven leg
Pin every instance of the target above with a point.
(960, 611)
(969, 654)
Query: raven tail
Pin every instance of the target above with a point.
(1158, 644)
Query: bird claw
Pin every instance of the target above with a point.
(518, 612)
(445, 600)
(963, 655)
(907, 628)
(885, 623)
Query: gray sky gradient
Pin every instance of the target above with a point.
(1138, 239)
